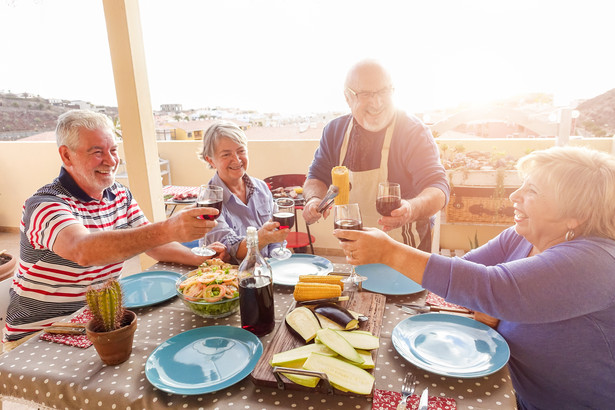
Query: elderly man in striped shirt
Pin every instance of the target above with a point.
(79, 230)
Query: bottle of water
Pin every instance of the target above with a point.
(256, 289)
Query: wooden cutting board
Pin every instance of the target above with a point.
(367, 303)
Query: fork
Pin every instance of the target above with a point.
(407, 390)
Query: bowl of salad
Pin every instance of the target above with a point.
(212, 290)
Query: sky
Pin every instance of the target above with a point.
(292, 56)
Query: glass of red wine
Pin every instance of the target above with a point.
(209, 196)
(284, 214)
(389, 198)
(349, 217)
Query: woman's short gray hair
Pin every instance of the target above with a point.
(69, 124)
(583, 180)
(217, 131)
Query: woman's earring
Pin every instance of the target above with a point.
(570, 235)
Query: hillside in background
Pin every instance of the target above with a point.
(597, 115)
(24, 115)
(19, 114)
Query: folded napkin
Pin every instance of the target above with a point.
(388, 400)
(71, 340)
(435, 300)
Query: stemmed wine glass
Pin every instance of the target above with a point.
(349, 217)
(389, 198)
(209, 196)
(284, 214)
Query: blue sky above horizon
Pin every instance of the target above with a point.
(292, 56)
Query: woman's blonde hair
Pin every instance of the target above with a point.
(583, 180)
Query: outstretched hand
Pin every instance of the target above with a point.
(186, 226)
(399, 217)
(366, 246)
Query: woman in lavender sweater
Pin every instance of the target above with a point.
(548, 283)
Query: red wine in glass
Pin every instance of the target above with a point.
(285, 219)
(209, 196)
(256, 305)
(352, 224)
(386, 204)
(388, 198)
(210, 203)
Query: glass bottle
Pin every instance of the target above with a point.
(256, 289)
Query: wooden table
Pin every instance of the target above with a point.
(52, 375)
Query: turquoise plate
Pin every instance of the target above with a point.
(386, 280)
(203, 360)
(287, 271)
(148, 288)
(450, 345)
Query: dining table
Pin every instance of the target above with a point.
(44, 374)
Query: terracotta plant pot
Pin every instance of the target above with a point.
(114, 347)
(7, 265)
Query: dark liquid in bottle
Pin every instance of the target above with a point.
(386, 204)
(211, 203)
(352, 224)
(285, 219)
(256, 305)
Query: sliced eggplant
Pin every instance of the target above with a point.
(303, 323)
(367, 357)
(338, 314)
(360, 339)
(333, 340)
(296, 357)
(342, 375)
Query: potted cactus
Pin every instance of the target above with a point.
(112, 327)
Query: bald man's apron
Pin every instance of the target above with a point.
(364, 190)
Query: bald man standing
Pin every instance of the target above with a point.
(378, 143)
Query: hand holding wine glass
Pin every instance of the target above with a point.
(284, 214)
(349, 217)
(209, 196)
(389, 198)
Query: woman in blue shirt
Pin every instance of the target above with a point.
(247, 200)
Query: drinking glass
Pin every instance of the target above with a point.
(389, 198)
(209, 196)
(284, 214)
(349, 217)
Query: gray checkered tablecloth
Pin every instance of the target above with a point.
(52, 375)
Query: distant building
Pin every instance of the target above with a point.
(171, 107)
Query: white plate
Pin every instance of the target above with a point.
(450, 345)
(286, 272)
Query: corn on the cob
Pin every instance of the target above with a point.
(310, 291)
(340, 178)
(330, 279)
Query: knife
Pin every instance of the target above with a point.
(424, 399)
(430, 308)
(66, 328)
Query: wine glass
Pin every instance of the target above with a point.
(209, 196)
(284, 214)
(349, 217)
(389, 198)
